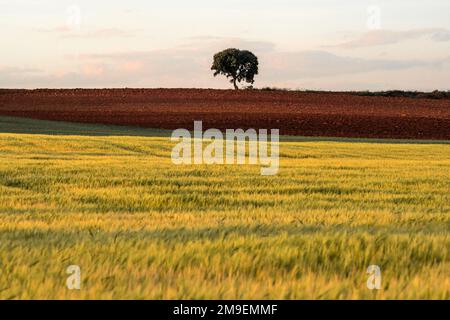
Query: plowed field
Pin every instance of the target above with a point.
(294, 113)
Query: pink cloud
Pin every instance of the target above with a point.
(92, 70)
(67, 33)
(131, 66)
(386, 37)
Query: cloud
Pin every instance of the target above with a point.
(192, 62)
(218, 43)
(65, 32)
(387, 37)
(312, 64)
(14, 76)
(422, 79)
(10, 71)
(189, 65)
(131, 66)
(92, 70)
(441, 36)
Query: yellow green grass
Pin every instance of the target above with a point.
(112, 202)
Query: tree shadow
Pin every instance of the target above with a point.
(44, 127)
(19, 125)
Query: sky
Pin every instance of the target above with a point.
(301, 44)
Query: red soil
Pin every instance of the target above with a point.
(294, 113)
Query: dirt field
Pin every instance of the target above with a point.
(294, 113)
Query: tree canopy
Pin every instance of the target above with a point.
(239, 65)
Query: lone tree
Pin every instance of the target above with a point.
(239, 65)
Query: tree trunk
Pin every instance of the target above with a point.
(235, 85)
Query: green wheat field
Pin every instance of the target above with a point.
(109, 200)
